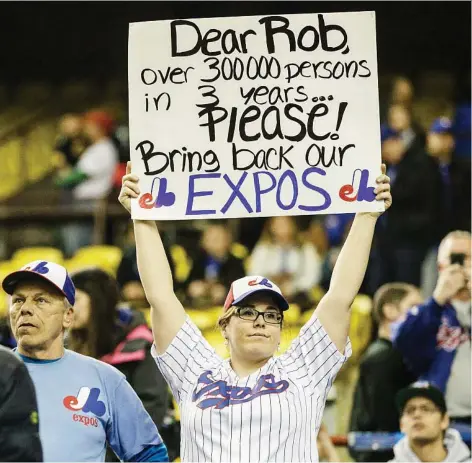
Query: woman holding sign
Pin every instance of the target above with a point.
(254, 406)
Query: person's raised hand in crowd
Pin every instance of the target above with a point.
(452, 279)
(129, 188)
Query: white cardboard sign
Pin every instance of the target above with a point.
(254, 116)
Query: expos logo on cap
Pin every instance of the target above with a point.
(50, 271)
(242, 288)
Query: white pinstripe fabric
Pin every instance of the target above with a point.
(257, 418)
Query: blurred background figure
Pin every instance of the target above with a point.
(291, 263)
(91, 178)
(434, 338)
(402, 92)
(455, 206)
(455, 176)
(6, 336)
(118, 336)
(400, 120)
(382, 372)
(214, 267)
(337, 229)
(19, 424)
(425, 423)
(326, 450)
(407, 231)
(462, 122)
(70, 142)
(127, 276)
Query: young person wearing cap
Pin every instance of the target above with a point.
(425, 423)
(254, 406)
(83, 403)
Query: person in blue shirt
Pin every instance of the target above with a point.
(83, 403)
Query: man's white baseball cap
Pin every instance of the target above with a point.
(244, 287)
(49, 271)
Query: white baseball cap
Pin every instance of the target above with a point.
(49, 271)
(242, 288)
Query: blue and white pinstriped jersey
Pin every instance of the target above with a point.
(272, 415)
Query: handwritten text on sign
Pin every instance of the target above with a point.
(254, 116)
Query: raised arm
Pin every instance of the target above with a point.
(167, 313)
(333, 311)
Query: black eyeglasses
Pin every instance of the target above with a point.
(251, 314)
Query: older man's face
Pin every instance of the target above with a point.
(38, 314)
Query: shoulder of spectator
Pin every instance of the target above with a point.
(376, 352)
(110, 375)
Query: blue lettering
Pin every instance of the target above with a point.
(236, 193)
(291, 175)
(194, 194)
(310, 186)
(219, 394)
(257, 186)
(365, 193)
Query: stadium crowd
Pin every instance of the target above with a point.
(413, 368)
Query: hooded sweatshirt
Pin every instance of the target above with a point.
(457, 450)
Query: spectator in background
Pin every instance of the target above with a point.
(91, 179)
(19, 426)
(382, 372)
(399, 119)
(70, 143)
(290, 263)
(401, 95)
(213, 268)
(338, 227)
(317, 235)
(425, 423)
(402, 92)
(462, 117)
(455, 194)
(6, 336)
(127, 275)
(434, 338)
(118, 336)
(405, 234)
(455, 175)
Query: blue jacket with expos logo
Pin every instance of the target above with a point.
(436, 346)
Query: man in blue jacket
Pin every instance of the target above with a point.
(434, 338)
